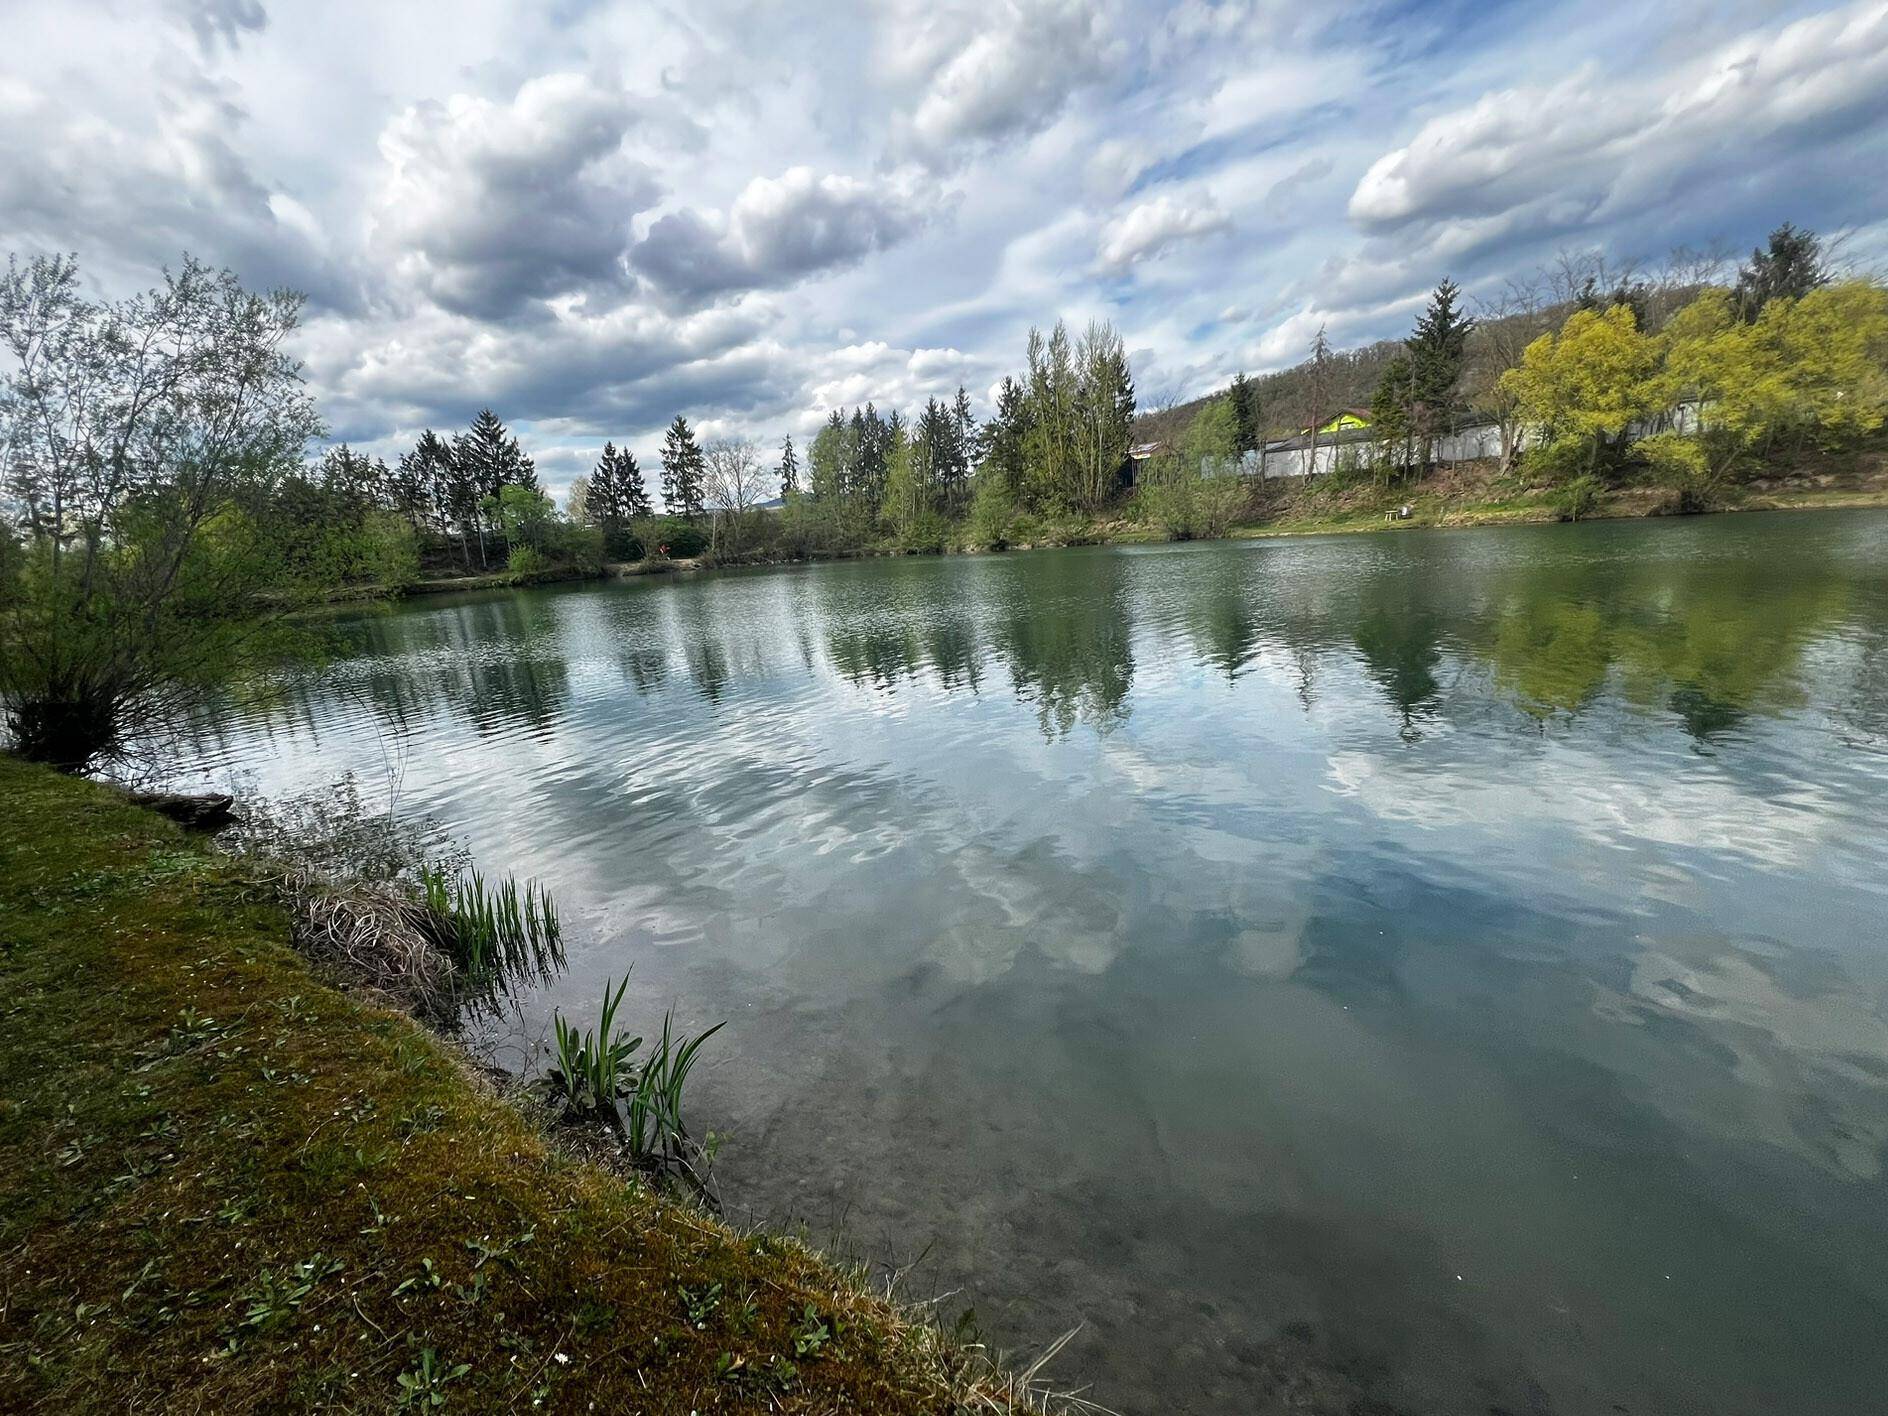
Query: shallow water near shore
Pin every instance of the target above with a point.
(1446, 970)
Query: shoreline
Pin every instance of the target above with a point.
(1429, 511)
(228, 1183)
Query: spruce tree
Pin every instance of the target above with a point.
(1245, 413)
(410, 488)
(631, 488)
(682, 471)
(616, 495)
(936, 469)
(1789, 269)
(452, 490)
(489, 455)
(789, 469)
(1001, 444)
(1437, 351)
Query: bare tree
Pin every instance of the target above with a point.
(733, 483)
(1316, 393)
(1506, 324)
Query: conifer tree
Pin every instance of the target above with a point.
(789, 469)
(490, 456)
(936, 473)
(682, 471)
(410, 490)
(1789, 268)
(1245, 413)
(616, 495)
(1436, 353)
(632, 491)
(1001, 443)
(451, 490)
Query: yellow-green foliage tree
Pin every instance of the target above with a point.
(1731, 372)
(1582, 389)
(1811, 367)
(1833, 347)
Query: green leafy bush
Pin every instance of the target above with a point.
(527, 560)
(674, 538)
(1679, 462)
(1580, 497)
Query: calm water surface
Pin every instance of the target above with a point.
(1442, 970)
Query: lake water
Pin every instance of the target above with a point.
(1443, 970)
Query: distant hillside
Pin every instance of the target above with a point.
(1283, 398)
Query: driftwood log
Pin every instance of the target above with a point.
(194, 813)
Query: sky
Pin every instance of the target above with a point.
(593, 215)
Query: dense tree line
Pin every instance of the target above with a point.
(1691, 373)
(1054, 444)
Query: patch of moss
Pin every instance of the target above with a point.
(226, 1186)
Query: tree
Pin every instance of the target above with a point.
(1833, 347)
(789, 469)
(1211, 444)
(732, 483)
(907, 489)
(141, 442)
(1508, 323)
(577, 502)
(1585, 387)
(1788, 269)
(828, 459)
(410, 491)
(1049, 454)
(1730, 373)
(1315, 394)
(356, 484)
(1390, 415)
(1103, 413)
(944, 456)
(486, 459)
(1002, 444)
(682, 470)
(490, 456)
(617, 497)
(452, 491)
(870, 440)
(1436, 354)
(1245, 412)
(525, 517)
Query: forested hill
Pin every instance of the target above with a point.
(1285, 400)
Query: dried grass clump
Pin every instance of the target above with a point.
(378, 936)
(979, 1382)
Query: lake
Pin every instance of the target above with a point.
(1439, 971)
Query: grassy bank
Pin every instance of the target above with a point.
(1481, 495)
(226, 1186)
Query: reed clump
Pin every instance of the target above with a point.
(596, 1075)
